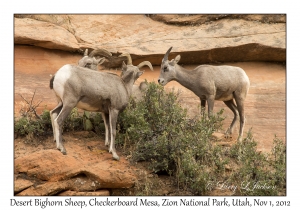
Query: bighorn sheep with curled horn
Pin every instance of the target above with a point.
(95, 91)
(210, 83)
(89, 61)
(111, 61)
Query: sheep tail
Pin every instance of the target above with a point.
(51, 82)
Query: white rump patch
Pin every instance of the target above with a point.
(61, 76)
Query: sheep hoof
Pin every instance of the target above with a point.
(228, 134)
(239, 139)
(116, 157)
(63, 151)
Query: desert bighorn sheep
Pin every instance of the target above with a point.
(92, 63)
(210, 83)
(111, 61)
(95, 91)
(89, 61)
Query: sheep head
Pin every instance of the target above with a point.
(129, 69)
(167, 69)
(91, 63)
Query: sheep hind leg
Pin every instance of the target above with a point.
(230, 104)
(105, 118)
(240, 108)
(58, 122)
(53, 114)
(113, 116)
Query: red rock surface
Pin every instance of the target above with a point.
(88, 167)
(214, 40)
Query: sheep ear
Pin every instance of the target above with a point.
(140, 73)
(177, 58)
(124, 66)
(86, 52)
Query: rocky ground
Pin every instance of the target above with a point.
(88, 170)
(255, 43)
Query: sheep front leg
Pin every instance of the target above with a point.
(210, 103)
(113, 116)
(203, 103)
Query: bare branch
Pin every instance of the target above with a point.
(31, 108)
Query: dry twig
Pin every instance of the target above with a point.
(31, 107)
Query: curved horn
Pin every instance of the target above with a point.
(129, 60)
(167, 54)
(98, 52)
(145, 63)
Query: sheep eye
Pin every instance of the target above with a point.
(165, 68)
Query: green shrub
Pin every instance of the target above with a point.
(277, 161)
(259, 173)
(158, 130)
(31, 128)
(26, 126)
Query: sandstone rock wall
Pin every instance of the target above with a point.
(198, 38)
